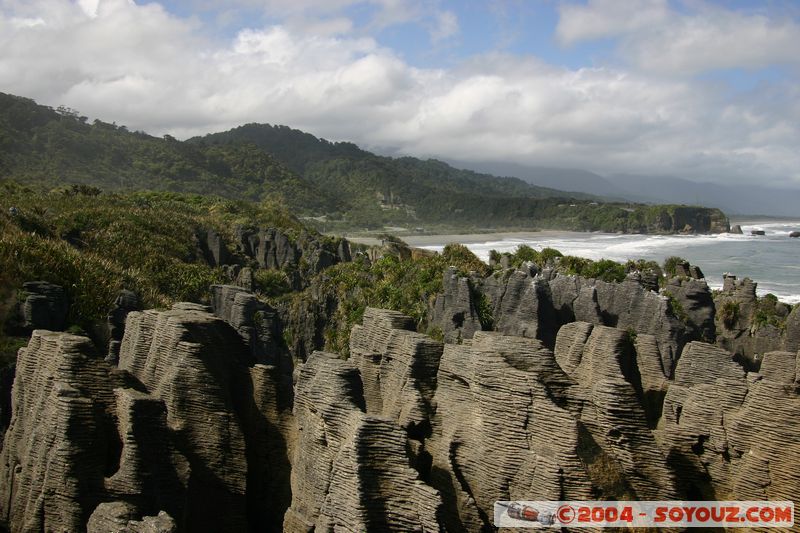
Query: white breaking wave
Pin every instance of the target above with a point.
(770, 260)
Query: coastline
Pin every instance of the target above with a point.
(768, 260)
(473, 238)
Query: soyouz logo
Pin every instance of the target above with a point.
(667, 514)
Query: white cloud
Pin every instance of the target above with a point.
(607, 18)
(446, 26)
(143, 67)
(89, 6)
(656, 38)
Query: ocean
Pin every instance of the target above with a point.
(772, 260)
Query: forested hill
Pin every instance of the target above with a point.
(324, 161)
(53, 147)
(341, 185)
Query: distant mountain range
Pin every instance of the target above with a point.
(754, 199)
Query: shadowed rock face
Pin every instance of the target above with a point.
(45, 307)
(350, 470)
(732, 434)
(536, 305)
(195, 363)
(200, 429)
(454, 309)
(739, 334)
(187, 425)
(53, 458)
(397, 367)
(81, 435)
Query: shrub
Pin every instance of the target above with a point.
(729, 314)
(766, 313)
(547, 255)
(604, 269)
(523, 254)
(271, 283)
(460, 256)
(671, 265)
(676, 308)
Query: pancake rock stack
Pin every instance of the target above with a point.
(588, 390)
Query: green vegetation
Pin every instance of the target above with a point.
(336, 185)
(461, 257)
(51, 148)
(94, 244)
(642, 265)
(408, 286)
(525, 253)
(767, 313)
(676, 308)
(729, 314)
(483, 308)
(271, 283)
(604, 269)
(671, 265)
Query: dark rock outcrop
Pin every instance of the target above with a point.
(687, 219)
(791, 340)
(45, 307)
(454, 309)
(126, 302)
(301, 256)
(736, 325)
(256, 322)
(538, 305)
(214, 249)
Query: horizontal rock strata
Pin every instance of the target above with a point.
(206, 424)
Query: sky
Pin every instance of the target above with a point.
(699, 89)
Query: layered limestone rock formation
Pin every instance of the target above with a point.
(274, 249)
(52, 465)
(126, 302)
(187, 430)
(197, 365)
(398, 368)
(44, 306)
(207, 424)
(454, 309)
(536, 304)
(350, 470)
(733, 434)
(739, 329)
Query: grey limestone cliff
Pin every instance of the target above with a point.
(587, 390)
(350, 470)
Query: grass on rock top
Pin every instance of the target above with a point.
(95, 244)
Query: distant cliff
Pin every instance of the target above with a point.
(686, 219)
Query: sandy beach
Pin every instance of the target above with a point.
(472, 238)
